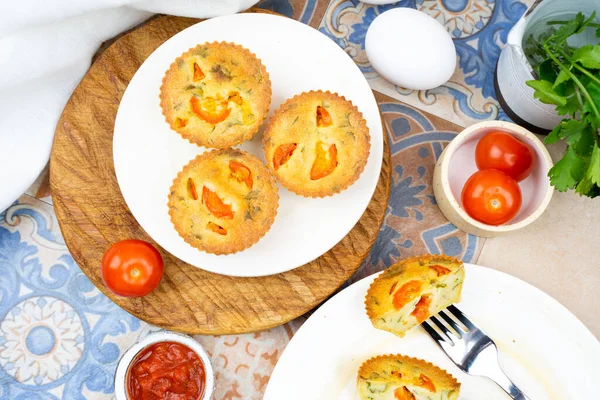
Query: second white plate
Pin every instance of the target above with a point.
(148, 155)
(545, 350)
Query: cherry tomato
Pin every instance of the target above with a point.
(323, 117)
(502, 151)
(402, 393)
(407, 293)
(215, 205)
(132, 268)
(241, 173)
(325, 162)
(283, 154)
(491, 197)
(421, 311)
(211, 110)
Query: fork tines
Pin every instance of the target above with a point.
(451, 324)
(469, 348)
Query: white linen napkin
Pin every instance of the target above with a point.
(45, 49)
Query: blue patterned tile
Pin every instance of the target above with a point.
(414, 224)
(60, 338)
(308, 12)
(283, 7)
(57, 330)
(479, 29)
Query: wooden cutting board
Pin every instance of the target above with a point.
(92, 214)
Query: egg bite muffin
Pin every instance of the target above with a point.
(398, 377)
(317, 144)
(412, 290)
(223, 201)
(216, 94)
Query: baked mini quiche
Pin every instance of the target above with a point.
(216, 94)
(398, 377)
(317, 144)
(223, 201)
(412, 290)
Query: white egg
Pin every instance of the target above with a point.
(410, 49)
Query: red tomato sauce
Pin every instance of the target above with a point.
(166, 371)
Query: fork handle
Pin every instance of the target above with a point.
(508, 386)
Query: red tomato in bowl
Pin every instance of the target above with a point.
(132, 268)
(491, 197)
(502, 151)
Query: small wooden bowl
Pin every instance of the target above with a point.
(457, 163)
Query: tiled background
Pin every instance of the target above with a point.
(60, 338)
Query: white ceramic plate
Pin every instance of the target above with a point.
(148, 155)
(545, 350)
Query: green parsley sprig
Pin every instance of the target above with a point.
(570, 79)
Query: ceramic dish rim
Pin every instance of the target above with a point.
(157, 337)
(375, 158)
(459, 140)
(573, 322)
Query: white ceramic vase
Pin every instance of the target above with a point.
(513, 68)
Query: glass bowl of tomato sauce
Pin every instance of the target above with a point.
(165, 365)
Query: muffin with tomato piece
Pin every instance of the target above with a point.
(412, 290)
(216, 94)
(404, 378)
(223, 201)
(317, 144)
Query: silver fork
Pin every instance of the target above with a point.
(470, 348)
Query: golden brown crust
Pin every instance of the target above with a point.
(245, 75)
(294, 121)
(379, 297)
(254, 208)
(380, 364)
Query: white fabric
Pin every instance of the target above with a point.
(46, 47)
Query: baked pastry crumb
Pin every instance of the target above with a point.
(404, 378)
(223, 201)
(216, 94)
(412, 290)
(317, 144)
